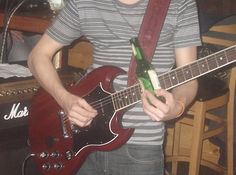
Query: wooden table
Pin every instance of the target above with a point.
(29, 22)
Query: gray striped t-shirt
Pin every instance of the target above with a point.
(109, 25)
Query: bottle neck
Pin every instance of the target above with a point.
(137, 53)
(136, 49)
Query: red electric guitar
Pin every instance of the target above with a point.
(61, 148)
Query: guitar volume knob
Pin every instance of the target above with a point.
(54, 154)
(46, 166)
(57, 166)
(44, 155)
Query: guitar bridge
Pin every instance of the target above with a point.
(62, 116)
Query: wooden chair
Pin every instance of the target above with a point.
(200, 114)
(197, 117)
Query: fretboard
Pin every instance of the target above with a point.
(128, 97)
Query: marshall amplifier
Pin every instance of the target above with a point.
(14, 114)
(15, 95)
(14, 102)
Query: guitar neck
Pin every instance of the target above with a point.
(178, 76)
(198, 68)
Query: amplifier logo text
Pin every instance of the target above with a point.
(16, 112)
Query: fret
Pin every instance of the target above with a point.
(130, 98)
(127, 97)
(162, 82)
(221, 59)
(131, 94)
(114, 101)
(121, 100)
(231, 54)
(203, 66)
(117, 101)
(195, 69)
(137, 94)
(173, 78)
(212, 63)
(187, 72)
(166, 80)
(180, 75)
(124, 99)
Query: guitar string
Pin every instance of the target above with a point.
(128, 93)
(166, 77)
(137, 88)
(108, 99)
(117, 96)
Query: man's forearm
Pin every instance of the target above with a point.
(40, 64)
(186, 92)
(46, 75)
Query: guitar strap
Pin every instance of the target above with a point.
(149, 33)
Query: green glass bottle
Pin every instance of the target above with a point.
(146, 74)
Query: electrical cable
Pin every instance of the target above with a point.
(10, 45)
(5, 30)
(4, 26)
(24, 163)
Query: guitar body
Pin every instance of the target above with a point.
(60, 147)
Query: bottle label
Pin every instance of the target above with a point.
(152, 83)
(154, 79)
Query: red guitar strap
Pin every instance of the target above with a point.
(149, 32)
